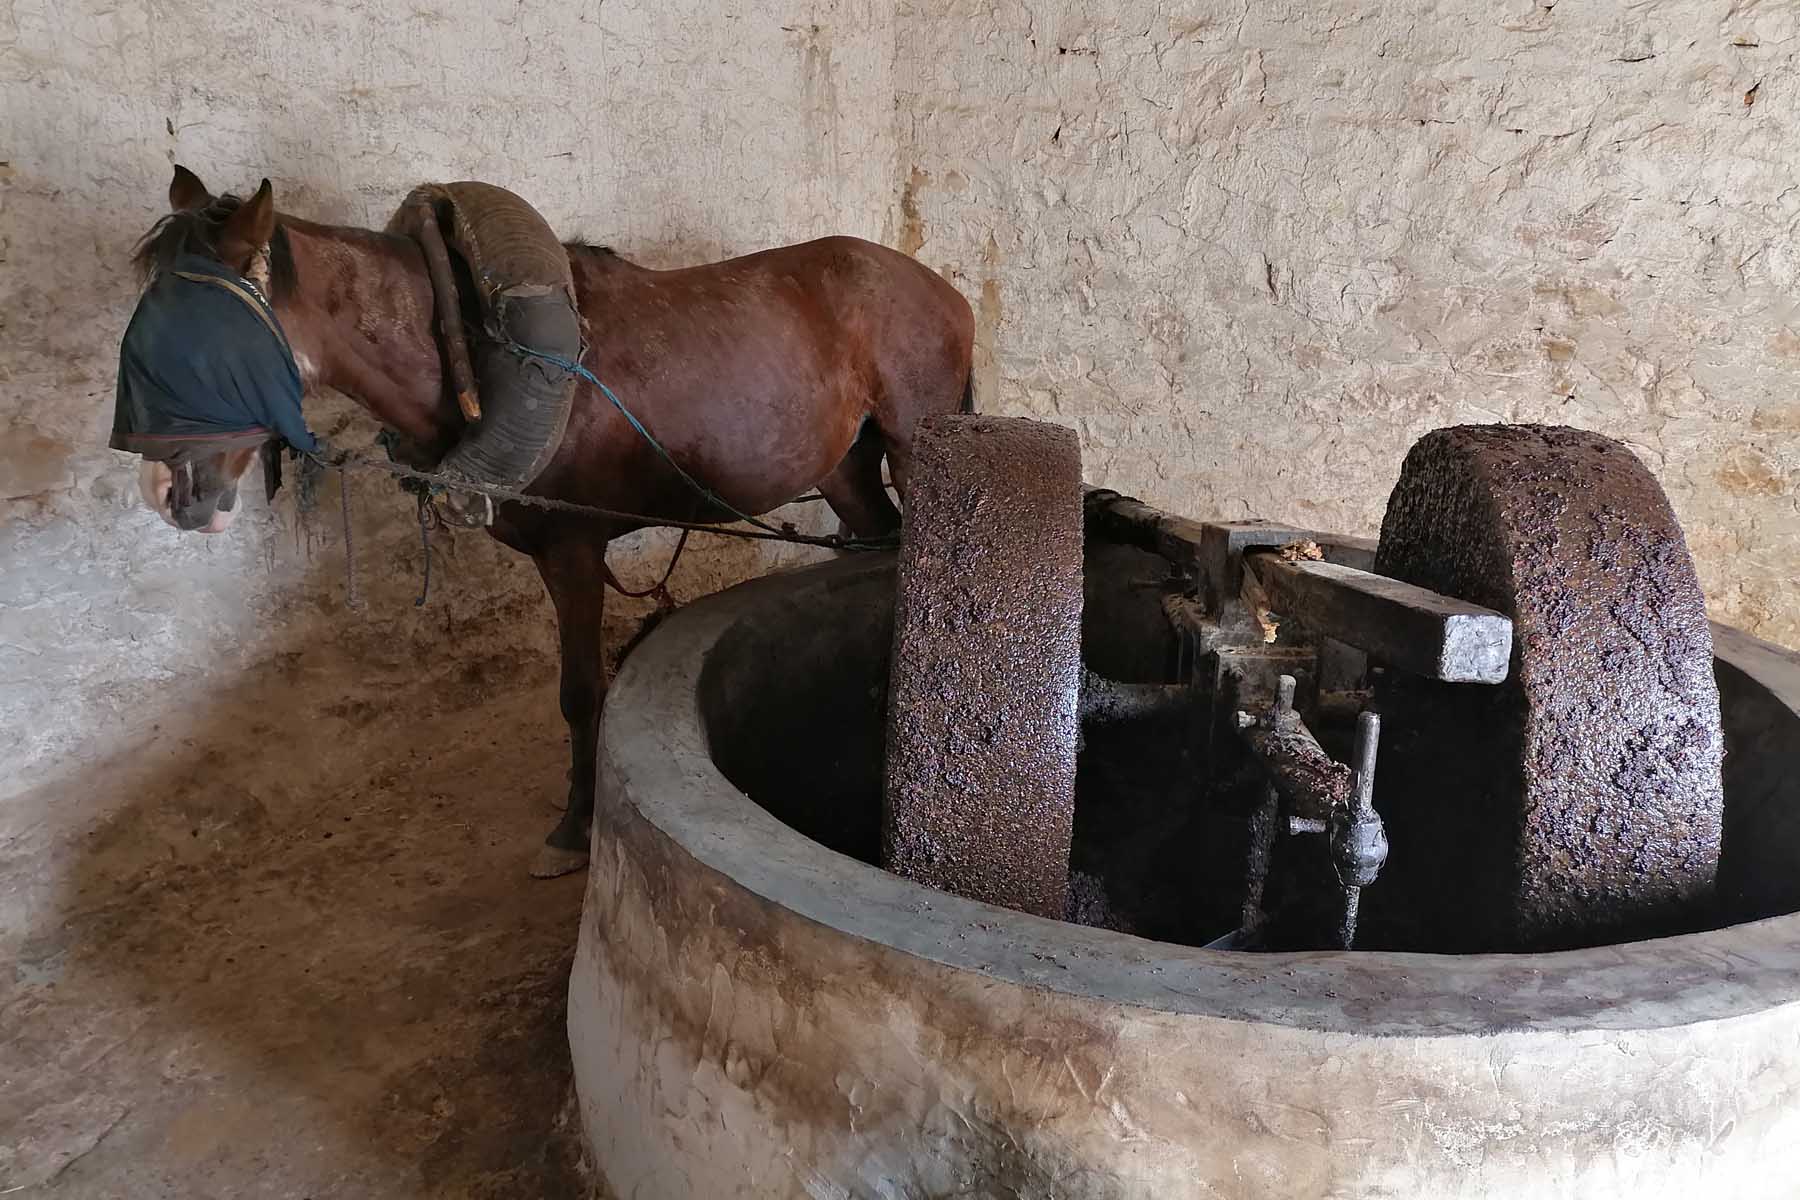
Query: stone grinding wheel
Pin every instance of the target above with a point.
(1580, 801)
(985, 680)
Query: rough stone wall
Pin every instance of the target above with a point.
(1248, 250)
(676, 132)
(1252, 249)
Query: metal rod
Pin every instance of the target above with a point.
(1284, 698)
(1359, 844)
(1346, 932)
(1263, 821)
(1105, 700)
(1368, 738)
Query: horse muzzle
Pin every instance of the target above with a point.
(171, 494)
(201, 520)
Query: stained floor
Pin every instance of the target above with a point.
(280, 942)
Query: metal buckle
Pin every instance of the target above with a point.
(471, 510)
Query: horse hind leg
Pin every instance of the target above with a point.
(897, 429)
(854, 489)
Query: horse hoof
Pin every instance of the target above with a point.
(552, 861)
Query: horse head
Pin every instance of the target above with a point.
(191, 478)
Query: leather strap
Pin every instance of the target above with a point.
(248, 297)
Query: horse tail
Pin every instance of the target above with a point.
(968, 396)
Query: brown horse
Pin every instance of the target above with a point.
(764, 376)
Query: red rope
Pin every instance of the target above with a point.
(660, 587)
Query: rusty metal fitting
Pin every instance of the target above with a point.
(1359, 847)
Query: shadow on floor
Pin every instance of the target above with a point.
(283, 944)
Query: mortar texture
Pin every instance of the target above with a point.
(1252, 251)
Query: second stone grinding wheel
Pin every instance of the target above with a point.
(1579, 802)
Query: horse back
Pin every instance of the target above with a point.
(756, 372)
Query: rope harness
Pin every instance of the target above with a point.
(706, 493)
(785, 532)
(428, 485)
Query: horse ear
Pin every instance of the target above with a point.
(186, 192)
(248, 230)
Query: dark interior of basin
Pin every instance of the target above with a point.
(794, 696)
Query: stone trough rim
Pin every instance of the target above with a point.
(655, 759)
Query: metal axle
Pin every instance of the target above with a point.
(1359, 844)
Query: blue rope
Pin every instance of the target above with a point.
(575, 368)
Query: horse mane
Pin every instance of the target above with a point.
(196, 231)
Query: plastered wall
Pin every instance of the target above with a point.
(1251, 250)
(1248, 250)
(677, 132)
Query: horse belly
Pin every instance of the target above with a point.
(772, 396)
(785, 444)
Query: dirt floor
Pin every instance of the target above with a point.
(280, 942)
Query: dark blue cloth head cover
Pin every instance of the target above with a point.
(204, 367)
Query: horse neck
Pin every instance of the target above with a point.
(359, 318)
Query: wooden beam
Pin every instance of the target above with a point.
(1135, 523)
(449, 311)
(1397, 623)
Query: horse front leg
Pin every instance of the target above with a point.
(573, 573)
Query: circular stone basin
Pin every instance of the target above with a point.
(756, 1013)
